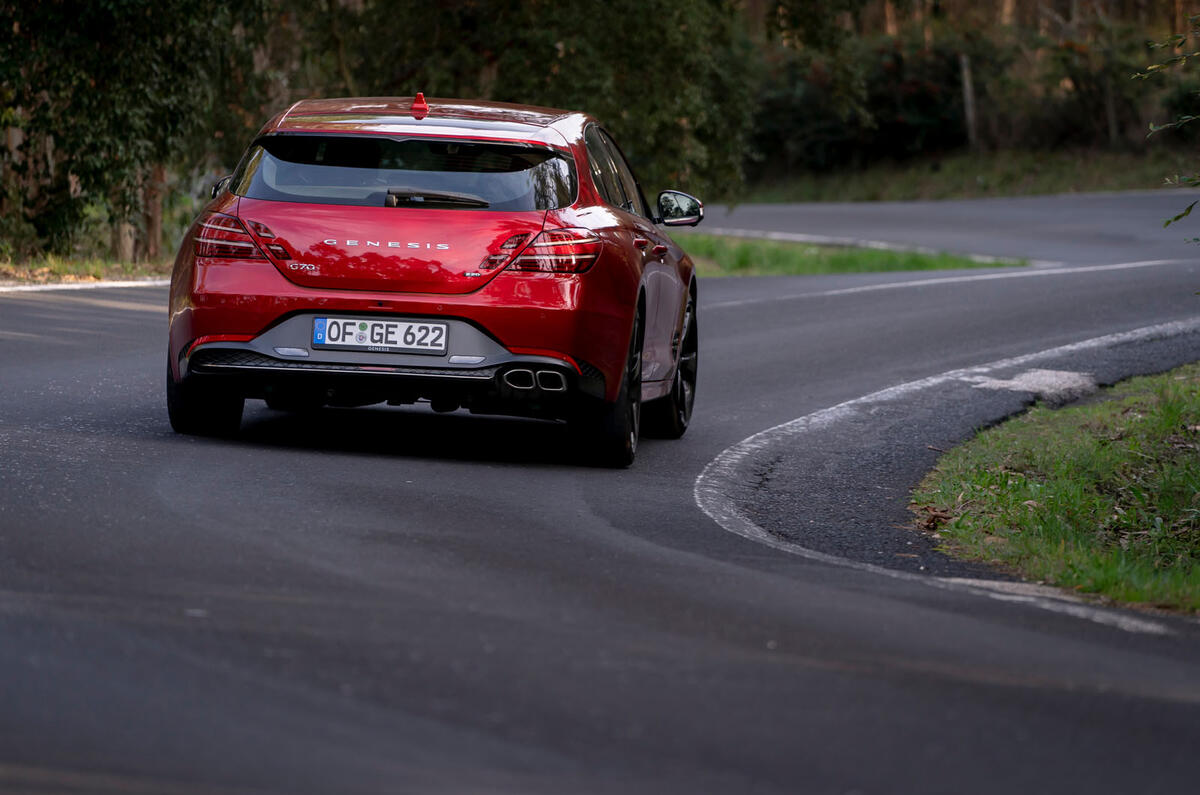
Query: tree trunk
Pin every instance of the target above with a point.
(123, 238)
(340, 51)
(487, 77)
(13, 136)
(968, 88)
(152, 212)
(890, 25)
(1110, 113)
(1008, 13)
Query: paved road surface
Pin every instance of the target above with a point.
(383, 600)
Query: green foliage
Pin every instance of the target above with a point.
(667, 77)
(1086, 79)
(913, 93)
(100, 91)
(1179, 59)
(1104, 498)
(1066, 87)
(964, 174)
(817, 37)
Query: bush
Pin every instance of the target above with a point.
(912, 104)
(1071, 87)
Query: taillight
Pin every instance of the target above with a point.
(559, 251)
(264, 232)
(224, 236)
(507, 249)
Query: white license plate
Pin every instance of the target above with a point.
(374, 334)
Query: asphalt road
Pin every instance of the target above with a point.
(386, 600)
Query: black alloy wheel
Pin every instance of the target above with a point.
(668, 417)
(611, 430)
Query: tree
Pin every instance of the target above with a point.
(672, 79)
(101, 93)
(102, 99)
(1180, 56)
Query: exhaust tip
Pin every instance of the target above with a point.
(519, 378)
(551, 381)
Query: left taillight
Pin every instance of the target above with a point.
(559, 251)
(219, 235)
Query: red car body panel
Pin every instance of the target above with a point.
(583, 320)
(381, 248)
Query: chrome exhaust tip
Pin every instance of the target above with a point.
(519, 378)
(551, 381)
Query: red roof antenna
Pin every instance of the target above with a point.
(419, 107)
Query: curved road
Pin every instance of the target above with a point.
(382, 600)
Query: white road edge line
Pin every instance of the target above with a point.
(709, 491)
(39, 288)
(984, 277)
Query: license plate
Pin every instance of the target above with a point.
(383, 336)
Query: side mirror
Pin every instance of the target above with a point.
(220, 185)
(676, 208)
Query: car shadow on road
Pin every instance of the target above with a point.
(414, 432)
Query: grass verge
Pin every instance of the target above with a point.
(53, 270)
(1102, 498)
(969, 176)
(735, 256)
(714, 256)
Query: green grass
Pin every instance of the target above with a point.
(53, 269)
(964, 176)
(734, 256)
(1103, 498)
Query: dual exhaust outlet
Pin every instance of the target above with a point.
(546, 380)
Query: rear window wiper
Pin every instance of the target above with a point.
(414, 197)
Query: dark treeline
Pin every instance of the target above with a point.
(118, 112)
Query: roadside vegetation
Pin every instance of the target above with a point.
(966, 175)
(1102, 498)
(716, 255)
(52, 269)
(107, 158)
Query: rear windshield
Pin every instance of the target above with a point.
(376, 171)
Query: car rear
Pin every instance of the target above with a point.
(346, 268)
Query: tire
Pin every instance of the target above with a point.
(202, 410)
(668, 417)
(610, 431)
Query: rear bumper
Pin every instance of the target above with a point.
(527, 320)
(519, 385)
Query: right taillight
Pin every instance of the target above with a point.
(221, 235)
(559, 251)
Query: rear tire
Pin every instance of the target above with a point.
(202, 410)
(610, 431)
(668, 417)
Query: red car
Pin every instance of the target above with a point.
(476, 255)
